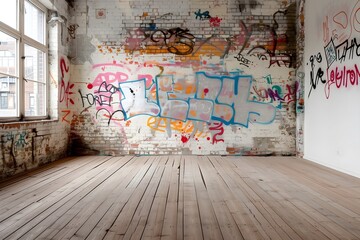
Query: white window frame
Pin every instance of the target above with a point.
(21, 41)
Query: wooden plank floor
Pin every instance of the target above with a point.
(181, 197)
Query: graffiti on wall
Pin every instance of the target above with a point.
(189, 128)
(202, 15)
(215, 21)
(178, 40)
(341, 49)
(214, 44)
(342, 75)
(243, 60)
(13, 146)
(67, 90)
(267, 44)
(276, 93)
(190, 76)
(105, 93)
(200, 98)
(342, 24)
(66, 116)
(316, 73)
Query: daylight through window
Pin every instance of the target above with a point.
(23, 60)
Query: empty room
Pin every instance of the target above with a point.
(179, 119)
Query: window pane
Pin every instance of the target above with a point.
(34, 64)
(7, 54)
(8, 96)
(8, 12)
(34, 22)
(35, 99)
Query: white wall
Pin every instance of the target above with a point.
(332, 112)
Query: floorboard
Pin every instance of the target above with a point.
(180, 197)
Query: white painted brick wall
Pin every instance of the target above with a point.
(124, 17)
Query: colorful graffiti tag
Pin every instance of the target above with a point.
(66, 88)
(202, 98)
(341, 49)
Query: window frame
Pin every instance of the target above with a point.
(21, 41)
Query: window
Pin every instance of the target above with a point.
(3, 100)
(23, 60)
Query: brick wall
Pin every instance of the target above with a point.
(300, 78)
(27, 145)
(184, 77)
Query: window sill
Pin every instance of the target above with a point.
(25, 122)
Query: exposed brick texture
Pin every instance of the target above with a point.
(28, 145)
(167, 77)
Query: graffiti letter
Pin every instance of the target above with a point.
(134, 101)
(246, 110)
(170, 108)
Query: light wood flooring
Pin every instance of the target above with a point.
(181, 197)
